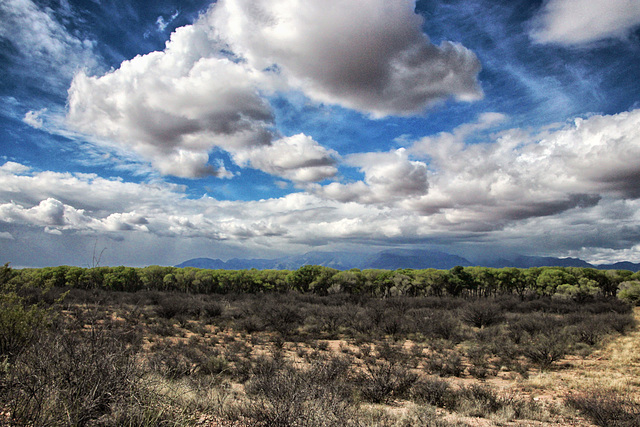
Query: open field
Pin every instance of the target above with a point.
(97, 357)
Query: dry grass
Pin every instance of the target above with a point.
(614, 366)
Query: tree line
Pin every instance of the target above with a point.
(574, 282)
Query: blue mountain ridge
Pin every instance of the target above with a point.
(393, 259)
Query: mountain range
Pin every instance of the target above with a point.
(394, 259)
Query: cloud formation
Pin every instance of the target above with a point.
(523, 175)
(173, 107)
(207, 89)
(380, 63)
(576, 22)
(42, 45)
(567, 186)
(388, 178)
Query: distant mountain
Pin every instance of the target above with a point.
(212, 264)
(393, 259)
(624, 265)
(389, 260)
(417, 259)
(522, 261)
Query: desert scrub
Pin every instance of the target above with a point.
(606, 408)
(283, 395)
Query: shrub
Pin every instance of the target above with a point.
(606, 408)
(70, 379)
(18, 324)
(433, 391)
(482, 313)
(214, 365)
(447, 363)
(440, 324)
(544, 349)
(211, 309)
(171, 362)
(282, 317)
(285, 396)
(380, 381)
(172, 306)
(619, 322)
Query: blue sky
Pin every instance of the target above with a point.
(162, 131)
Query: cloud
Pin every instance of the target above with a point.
(520, 174)
(576, 22)
(298, 158)
(388, 177)
(14, 168)
(6, 236)
(174, 107)
(380, 63)
(43, 47)
(208, 88)
(34, 118)
(162, 24)
(554, 190)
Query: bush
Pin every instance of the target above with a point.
(380, 381)
(285, 396)
(214, 365)
(447, 363)
(482, 313)
(18, 324)
(544, 349)
(70, 379)
(433, 391)
(606, 408)
(440, 324)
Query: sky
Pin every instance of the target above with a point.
(138, 133)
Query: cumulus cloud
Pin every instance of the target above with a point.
(173, 107)
(380, 63)
(298, 158)
(388, 177)
(439, 188)
(575, 22)
(14, 168)
(570, 187)
(207, 89)
(523, 175)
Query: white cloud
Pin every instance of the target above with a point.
(569, 187)
(162, 24)
(6, 235)
(207, 88)
(34, 118)
(522, 175)
(298, 158)
(388, 177)
(14, 168)
(173, 107)
(575, 22)
(380, 63)
(45, 48)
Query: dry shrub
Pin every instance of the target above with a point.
(606, 408)
(70, 379)
(282, 395)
